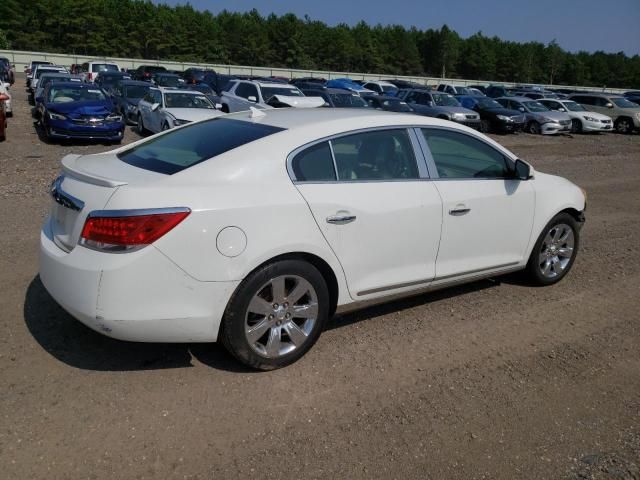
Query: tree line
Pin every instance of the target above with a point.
(142, 29)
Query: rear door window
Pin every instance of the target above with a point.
(314, 164)
(185, 147)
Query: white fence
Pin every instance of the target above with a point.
(21, 59)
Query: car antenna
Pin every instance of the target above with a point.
(255, 113)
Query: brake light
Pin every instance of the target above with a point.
(119, 231)
(90, 75)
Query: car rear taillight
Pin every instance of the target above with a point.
(90, 76)
(127, 230)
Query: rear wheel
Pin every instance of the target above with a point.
(576, 126)
(555, 250)
(624, 125)
(140, 126)
(534, 128)
(276, 314)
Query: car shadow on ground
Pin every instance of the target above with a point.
(76, 345)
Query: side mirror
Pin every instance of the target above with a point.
(218, 106)
(252, 99)
(522, 170)
(155, 107)
(521, 109)
(562, 109)
(609, 105)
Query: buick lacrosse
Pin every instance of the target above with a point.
(254, 228)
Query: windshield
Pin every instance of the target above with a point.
(347, 100)
(486, 102)
(623, 102)
(182, 148)
(104, 67)
(535, 107)
(67, 94)
(268, 92)
(574, 107)
(135, 91)
(445, 100)
(168, 80)
(187, 100)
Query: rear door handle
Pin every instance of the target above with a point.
(341, 219)
(459, 210)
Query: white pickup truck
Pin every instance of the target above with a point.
(243, 94)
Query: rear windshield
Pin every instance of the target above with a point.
(104, 67)
(183, 148)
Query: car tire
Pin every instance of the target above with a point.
(624, 125)
(534, 128)
(165, 126)
(225, 108)
(555, 251)
(576, 125)
(261, 329)
(140, 126)
(485, 126)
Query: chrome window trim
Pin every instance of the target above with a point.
(432, 163)
(416, 153)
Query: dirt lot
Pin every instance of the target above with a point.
(494, 380)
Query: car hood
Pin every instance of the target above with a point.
(300, 102)
(557, 116)
(98, 108)
(193, 114)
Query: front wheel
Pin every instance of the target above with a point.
(276, 314)
(624, 125)
(576, 126)
(140, 125)
(555, 250)
(534, 128)
(485, 126)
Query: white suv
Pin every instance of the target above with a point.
(243, 94)
(91, 70)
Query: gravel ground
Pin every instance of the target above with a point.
(492, 380)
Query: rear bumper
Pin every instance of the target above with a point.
(140, 296)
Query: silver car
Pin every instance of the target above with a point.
(539, 119)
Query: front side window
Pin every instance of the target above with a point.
(623, 102)
(180, 149)
(377, 155)
(246, 90)
(315, 164)
(458, 155)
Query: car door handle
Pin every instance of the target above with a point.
(341, 219)
(459, 210)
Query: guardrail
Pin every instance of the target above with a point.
(21, 59)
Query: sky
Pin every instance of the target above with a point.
(611, 25)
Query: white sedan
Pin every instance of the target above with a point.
(254, 228)
(582, 120)
(164, 108)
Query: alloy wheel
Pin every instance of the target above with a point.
(556, 250)
(281, 316)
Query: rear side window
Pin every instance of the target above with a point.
(377, 155)
(315, 164)
(458, 155)
(183, 148)
(104, 67)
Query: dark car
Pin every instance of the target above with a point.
(633, 96)
(482, 88)
(337, 97)
(167, 80)
(309, 86)
(308, 82)
(126, 96)
(440, 105)
(405, 83)
(3, 117)
(497, 91)
(196, 75)
(6, 71)
(493, 116)
(79, 111)
(388, 103)
(108, 80)
(145, 72)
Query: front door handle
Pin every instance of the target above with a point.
(341, 219)
(459, 210)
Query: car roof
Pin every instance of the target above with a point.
(135, 82)
(520, 99)
(178, 90)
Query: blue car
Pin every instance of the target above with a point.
(79, 111)
(347, 84)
